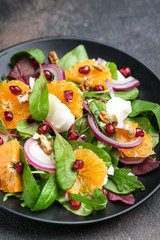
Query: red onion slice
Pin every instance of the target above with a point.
(125, 85)
(43, 163)
(110, 141)
(109, 87)
(132, 160)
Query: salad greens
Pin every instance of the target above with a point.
(57, 171)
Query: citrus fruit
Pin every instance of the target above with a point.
(95, 76)
(91, 175)
(10, 180)
(58, 88)
(142, 150)
(10, 103)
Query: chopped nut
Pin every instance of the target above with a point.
(25, 96)
(84, 84)
(99, 66)
(104, 116)
(102, 124)
(131, 132)
(53, 57)
(45, 145)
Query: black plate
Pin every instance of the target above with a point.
(149, 90)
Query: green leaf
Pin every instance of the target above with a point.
(27, 129)
(141, 106)
(98, 200)
(128, 95)
(71, 58)
(48, 194)
(31, 190)
(103, 146)
(113, 187)
(3, 78)
(96, 107)
(143, 122)
(95, 94)
(99, 152)
(34, 53)
(82, 211)
(154, 134)
(38, 100)
(7, 195)
(65, 158)
(114, 153)
(2, 127)
(113, 69)
(122, 179)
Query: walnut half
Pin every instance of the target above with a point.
(131, 132)
(25, 96)
(53, 58)
(104, 116)
(99, 66)
(84, 85)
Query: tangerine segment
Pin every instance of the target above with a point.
(57, 88)
(143, 150)
(95, 76)
(10, 180)
(92, 175)
(9, 102)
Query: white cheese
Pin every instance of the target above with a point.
(31, 82)
(59, 114)
(118, 109)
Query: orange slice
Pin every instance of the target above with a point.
(143, 150)
(10, 180)
(57, 88)
(9, 102)
(92, 175)
(95, 76)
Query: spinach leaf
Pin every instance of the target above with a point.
(95, 94)
(77, 84)
(65, 158)
(128, 95)
(3, 78)
(74, 56)
(143, 122)
(122, 179)
(82, 211)
(31, 190)
(154, 134)
(96, 107)
(99, 152)
(38, 100)
(17, 195)
(97, 202)
(27, 129)
(113, 69)
(103, 146)
(140, 106)
(48, 194)
(35, 53)
(113, 187)
(114, 153)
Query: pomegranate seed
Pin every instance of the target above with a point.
(73, 136)
(37, 76)
(1, 141)
(30, 119)
(139, 132)
(110, 130)
(126, 71)
(78, 164)
(84, 70)
(35, 63)
(75, 205)
(100, 99)
(104, 191)
(99, 88)
(8, 116)
(45, 128)
(68, 95)
(19, 167)
(48, 74)
(15, 90)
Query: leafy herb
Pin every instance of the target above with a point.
(27, 129)
(113, 69)
(97, 202)
(65, 158)
(38, 100)
(31, 190)
(48, 194)
(71, 58)
(99, 152)
(35, 53)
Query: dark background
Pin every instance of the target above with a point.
(133, 26)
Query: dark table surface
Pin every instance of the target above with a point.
(133, 26)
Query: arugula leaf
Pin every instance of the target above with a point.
(38, 100)
(113, 187)
(96, 107)
(140, 106)
(113, 69)
(99, 152)
(71, 58)
(31, 190)
(35, 53)
(82, 211)
(122, 179)
(65, 158)
(97, 202)
(27, 129)
(48, 194)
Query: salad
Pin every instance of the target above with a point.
(73, 131)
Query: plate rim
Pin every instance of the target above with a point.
(107, 217)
